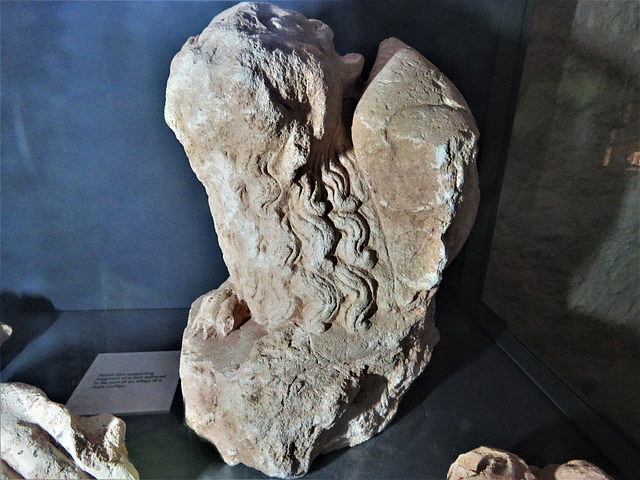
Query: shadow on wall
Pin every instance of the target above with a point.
(12, 303)
(29, 316)
(564, 268)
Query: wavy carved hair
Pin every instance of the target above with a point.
(328, 238)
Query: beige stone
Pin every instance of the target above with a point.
(573, 470)
(486, 463)
(42, 439)
(489, 464)
(337, 205)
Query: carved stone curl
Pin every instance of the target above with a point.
(337, 206)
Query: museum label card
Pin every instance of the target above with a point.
(119, 383)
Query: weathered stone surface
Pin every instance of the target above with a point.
(492, 464)
(42, 439)
(413, 138)
(337, 205)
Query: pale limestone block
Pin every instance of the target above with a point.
(42, 439)
(337, 205)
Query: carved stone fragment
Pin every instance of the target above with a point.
(42, 439)
(337, 206)
(486, 463)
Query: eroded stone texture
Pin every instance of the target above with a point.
(42, 439)
(486, 463)
(337, 205)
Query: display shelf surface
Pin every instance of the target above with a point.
(471, 394)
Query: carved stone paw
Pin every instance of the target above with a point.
(219, 312)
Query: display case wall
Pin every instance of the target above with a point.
(564, 270)
(105, 227)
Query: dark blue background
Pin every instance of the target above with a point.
(100, 209)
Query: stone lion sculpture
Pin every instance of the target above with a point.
(337, 205)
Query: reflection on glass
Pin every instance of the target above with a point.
(564, 272)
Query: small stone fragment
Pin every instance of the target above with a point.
(42, 439)
(492, 464)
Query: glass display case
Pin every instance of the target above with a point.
(106, 235)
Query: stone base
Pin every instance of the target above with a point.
(274, 401)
